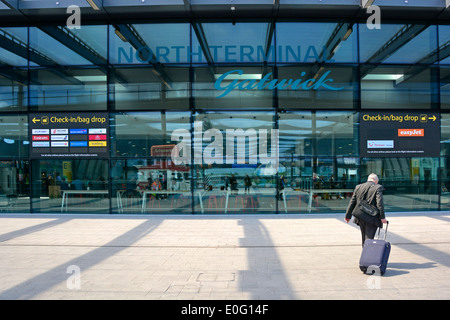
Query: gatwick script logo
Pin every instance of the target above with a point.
(266, 83)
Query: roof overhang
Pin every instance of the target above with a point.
(18, 11)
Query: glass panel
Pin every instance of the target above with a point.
(234, 177)
(445, 184)
(13, 81)
(58, 45)
(316, 42)
(150, 186)
(14, 136)
(13, 89)
(70, 186)
(68, 89)
(445, 134)
(146, 88)
(93, 37)
(318, 133)
(134, 134)
(13, 47)
(444, 75)
(233, 87)
(149, 43)
(317, 184)
(444, 44)
(401, 87)
(14, 186)
(397, 43)
(327, 87)
(410, 183)
(232, 43)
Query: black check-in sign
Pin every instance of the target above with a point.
(62, 135)
(399, 134)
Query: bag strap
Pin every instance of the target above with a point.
(373, 196)
(363, 197)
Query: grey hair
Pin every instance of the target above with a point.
(372, 177)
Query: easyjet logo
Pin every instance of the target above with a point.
(411, 132)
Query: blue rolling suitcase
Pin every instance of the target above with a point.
(375, 254)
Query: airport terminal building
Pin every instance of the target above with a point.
(225, 106)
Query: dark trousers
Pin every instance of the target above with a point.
(368, 230)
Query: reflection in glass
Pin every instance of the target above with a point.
(303, 42)
(154, 69)
(233, 92)
(68, 89)
(444, 74)
(315, 184)
(239, 188)
(444, 44)
(14, 136)
(397, 43)
(231, 43)
(398, 87)
(318, 133)
(327, 87)
(445, 134)
(149, 43)
(144, 88)
(59, 45)
(13, 47)
(134, 134)
(70, 186)
(13, 89)
(410, 183)
(445, 184)
(151, 185)
(14, 186)
(239, 180)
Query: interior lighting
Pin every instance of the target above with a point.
(383, 77)
(91, 78)
(255, 76)
(366, 3)
(93, 4)
(349, 32)
(120, 35)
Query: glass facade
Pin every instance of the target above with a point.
(195, 108)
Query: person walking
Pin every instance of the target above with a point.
(281, 185)
(247, 183)
(233, 184)
(373, 192)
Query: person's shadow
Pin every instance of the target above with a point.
(396, 269)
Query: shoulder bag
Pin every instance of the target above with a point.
(364, 208)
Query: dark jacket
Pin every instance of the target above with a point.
(373, 189)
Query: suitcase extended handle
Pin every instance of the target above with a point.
(385, 231)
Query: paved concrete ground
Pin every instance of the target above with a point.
(217, 257)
